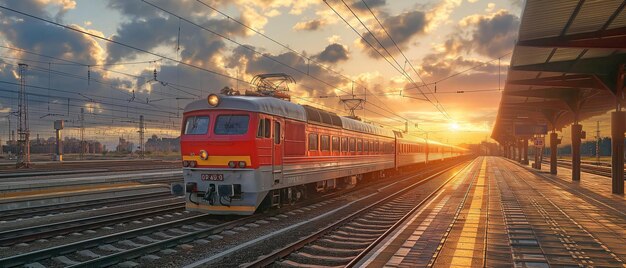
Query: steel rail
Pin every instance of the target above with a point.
(27, 234)
(13, 214)
(285, 251)
(130, 234)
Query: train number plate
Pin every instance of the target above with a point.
(212, 177)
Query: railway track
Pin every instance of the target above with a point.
(94, 166)
(30, 212)
(601, 170)
(27, 234)
(346, 241)
(154, 238)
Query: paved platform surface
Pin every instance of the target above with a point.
(496, 213)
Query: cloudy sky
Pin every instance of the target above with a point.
(199, 47)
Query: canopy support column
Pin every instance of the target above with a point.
(525, 152)
(618, 119)
(519, 150)
(576, 139)
(554, 142)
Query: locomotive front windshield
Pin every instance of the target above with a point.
(196, 125)
(231, 124)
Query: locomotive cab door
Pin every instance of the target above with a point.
(277, 150)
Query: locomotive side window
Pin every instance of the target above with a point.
(335, 145)
(276, 132)
(265, 128)
(196, 125)
(312, 141)
(344, 144)
(325, 143)
(231, 124)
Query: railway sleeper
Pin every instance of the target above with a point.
(377, 221)
(369, 226)
(293, 264)
(330, 251)
(357, 235)
(343, 244)
(307, 258)
(348, 238)
(356, 230)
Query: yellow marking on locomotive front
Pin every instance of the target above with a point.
(218, 160)
(466, 246)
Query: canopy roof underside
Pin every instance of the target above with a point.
(565, 65)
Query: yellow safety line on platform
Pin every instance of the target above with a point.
(465, 247)
(65, 190)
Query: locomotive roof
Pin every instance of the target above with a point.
(274, 106)
(266, 105)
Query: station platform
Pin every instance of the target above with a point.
(497, 213)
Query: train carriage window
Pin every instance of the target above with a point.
(231, 124)
(276, 132)
(344, 144)
(196, 125)
(359, 145)
(312, 141)
(325, 143)
(366, 146)
(352, 144)
(335, 145)
(376, 147)
(265, 128)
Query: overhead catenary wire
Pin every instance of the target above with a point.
(121, 44)
(406, 60)
(309, 59)
(257, 52)
(403, 72)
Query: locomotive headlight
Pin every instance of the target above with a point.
(193, 164)
(204, 155)
(242, 164)
(185, 163)
(213, 100)
(232, 164)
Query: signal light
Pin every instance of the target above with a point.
(232, 164)
(193, 164)
(242, 164)
(185, 163)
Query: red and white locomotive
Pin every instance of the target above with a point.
(242, 152)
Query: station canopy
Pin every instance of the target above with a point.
(565, 65)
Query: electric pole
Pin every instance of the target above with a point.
(141, 137)
(23, 156)
(82, 133)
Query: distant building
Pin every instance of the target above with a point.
(47, 146)
(156, 144)
(124, 146)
